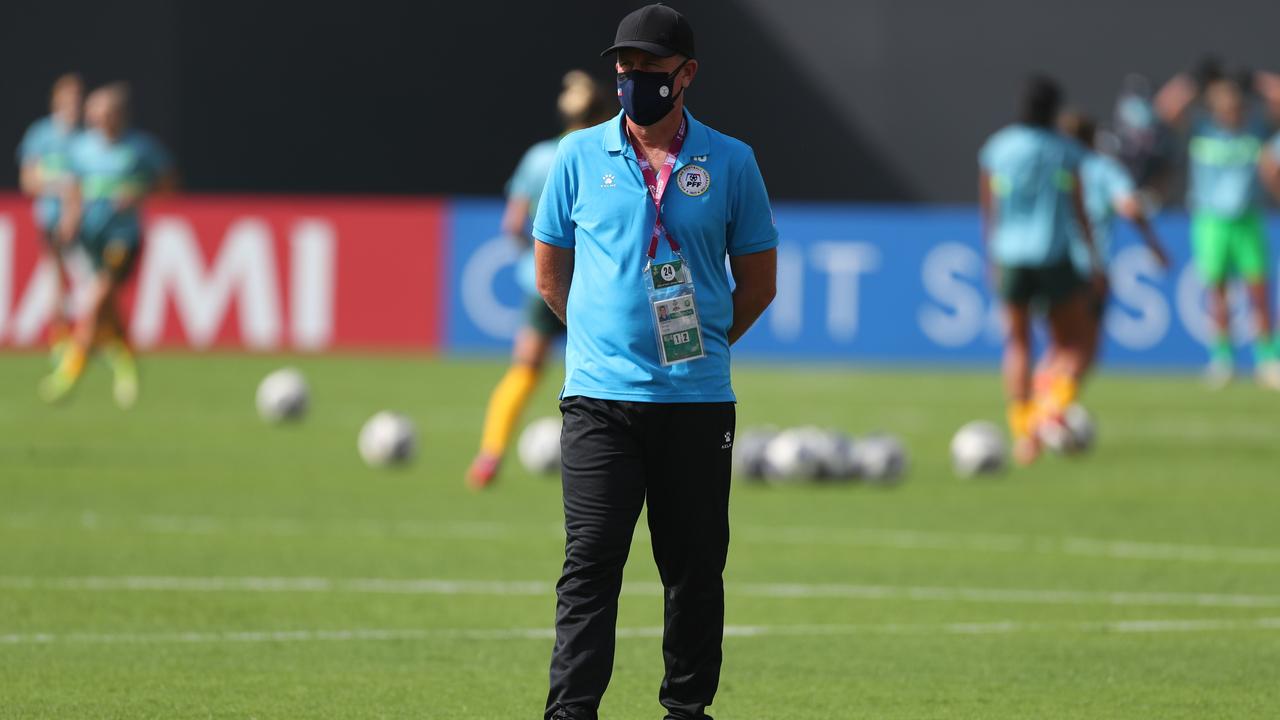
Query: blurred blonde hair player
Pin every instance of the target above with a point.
(582, 103)
(43, 160)
(114, 169)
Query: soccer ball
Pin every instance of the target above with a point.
(792, 455)
(880, 459)
(539, 446)
(749, 450)
(282, 396)
(837, 459)
(1083, 430)
(387, 439)
(1070, 433)
(978, 448)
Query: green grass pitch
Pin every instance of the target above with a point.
(183, 560)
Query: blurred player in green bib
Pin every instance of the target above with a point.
(581, 104)
(115, 168)
(1225, 198)
(1032, 209)
(1109, 192)
(43, 158)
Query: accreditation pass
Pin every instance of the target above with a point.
(679, 331)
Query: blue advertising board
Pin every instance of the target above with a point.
(879, 285)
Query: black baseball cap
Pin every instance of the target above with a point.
(657, 29)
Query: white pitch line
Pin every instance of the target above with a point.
(999, 627)
(888, 538)
(990, 542)
(535, 588)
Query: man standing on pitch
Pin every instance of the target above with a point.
(635, 223)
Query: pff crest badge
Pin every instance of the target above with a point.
(693, 180)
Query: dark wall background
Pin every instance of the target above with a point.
(881, 100)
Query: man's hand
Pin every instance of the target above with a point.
(1174, 100)
(554, 267)
(755, 278)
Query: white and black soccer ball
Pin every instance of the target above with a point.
(1084, 431)
(837, 458)
(387, 439)
(880, 459)
(792, 455)
(1070, 433)
(283, 396)
(978, 448)
(749, 452)
(539, 446)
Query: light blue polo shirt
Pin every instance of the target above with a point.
(596, 203)
(48, 143)
(1105, 183)
(1032, 175)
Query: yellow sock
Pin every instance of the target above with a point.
(505, 406)
(1060, 395)
(72, 364)
(1021, 418)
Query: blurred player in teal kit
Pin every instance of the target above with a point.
(43, 158)
(581, 104)
(1109, 192)
(1225, 197)
(1033, 209)
(115, 169)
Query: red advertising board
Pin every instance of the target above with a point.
(305, 273)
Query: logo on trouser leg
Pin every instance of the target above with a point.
(728, 441)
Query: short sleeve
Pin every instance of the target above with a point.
(553, 224)
(985, 155)
(28, 149)
(751, 228)
(1120, 184)
(526, 182)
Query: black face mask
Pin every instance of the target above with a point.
(647, 97)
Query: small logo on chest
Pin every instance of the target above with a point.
(607, 181)
(693, 180)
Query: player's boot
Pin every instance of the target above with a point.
(59, 341)
(1266, 363)
(57, 385)
(1219, 373)
(1268, 374)
(483, 471)
(124, 371)
(1222, 365)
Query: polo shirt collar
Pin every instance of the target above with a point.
(697, 141)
